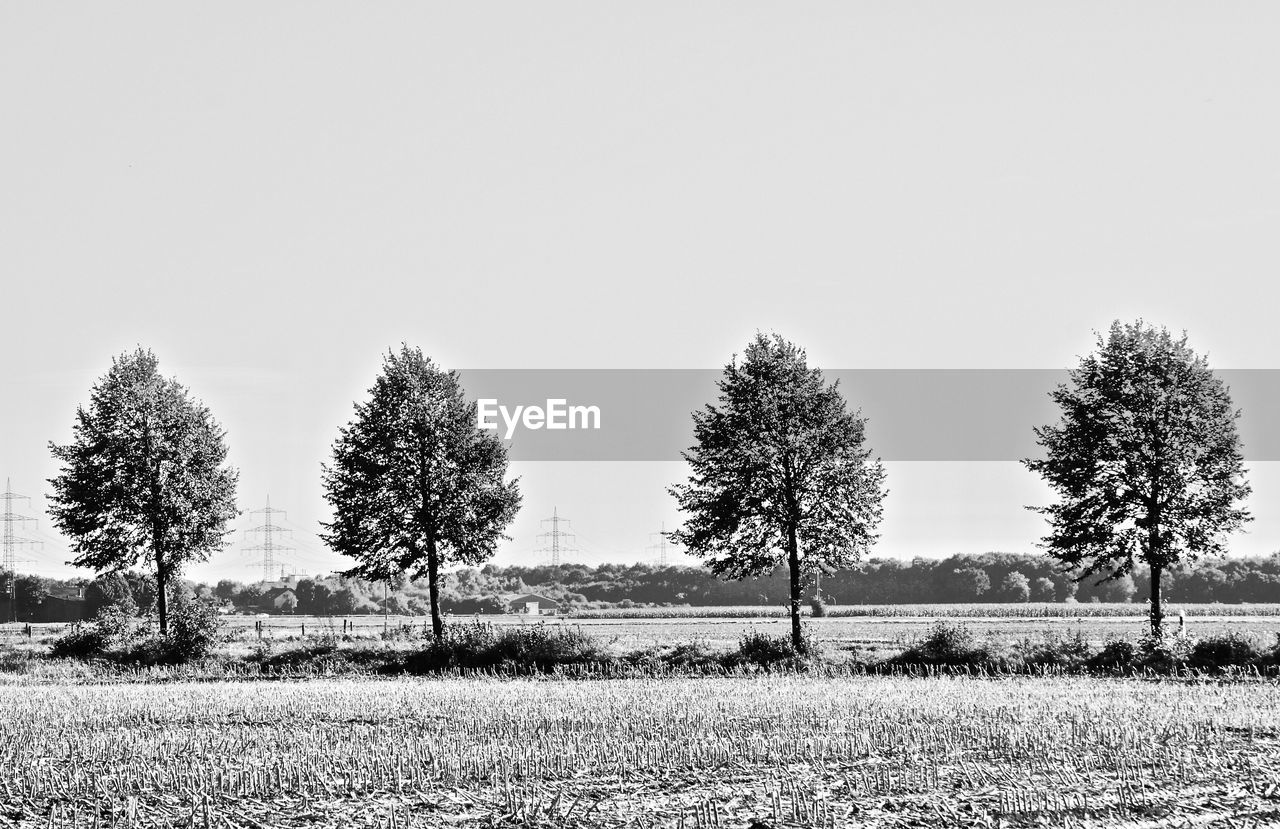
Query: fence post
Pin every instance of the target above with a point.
(304, 628)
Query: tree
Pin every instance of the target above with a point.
(778, 474)
(970, 583)
(145, 478)
(1146, 460)
(1015, 587)
(107, 590)
(1117, 591)
(29, 593)
(415, 482)
(1042, 589)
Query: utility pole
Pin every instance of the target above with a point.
(661, 546)
(269, 531)
(11, 542)
(554, 544)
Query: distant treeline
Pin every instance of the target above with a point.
(989, 577)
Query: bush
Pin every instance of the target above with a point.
(1116, 655)
(695, 655)
(517, 648)
(817, 607)
(1164, 655)
(947, 643)
(765, 651)
(1218, 652)
(81, 642)
(193, 628)
(193, 631)
(1057, 651)
(111, 626)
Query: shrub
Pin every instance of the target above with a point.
(817, 607)
(1164, 655)
(519, 648)
(947, 643)
(1116, 655)
(193, 631)
(1057, 651)
(81, 642)
(695, 655)
(765, 651)
(1218, 652)
(111, 626)
(193, 628)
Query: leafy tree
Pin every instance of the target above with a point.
(1042, 589)
(415, 483)
(1146, 460)
(779, 474)
(1015, 587)
(145, 478)
(29, 593)
(143, 590)
(970, 583)
(1119, 590)
(107, 590)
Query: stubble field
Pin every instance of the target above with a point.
(783, 750)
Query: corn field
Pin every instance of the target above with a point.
(984, 610)
(783, 750)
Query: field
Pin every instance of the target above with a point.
(784, 750)
(876, 630)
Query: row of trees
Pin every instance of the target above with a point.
(1146, 463)
(987, 577)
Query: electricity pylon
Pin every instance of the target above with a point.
(268, 529)
(11, 542)
(661, 546)
(554, 545)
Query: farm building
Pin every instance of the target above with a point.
(279, 600)
(62, 604)
(533, 604)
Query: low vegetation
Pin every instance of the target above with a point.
(772, 749)
(952, 645)
(115, 634)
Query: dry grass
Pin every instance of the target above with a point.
(785, 750)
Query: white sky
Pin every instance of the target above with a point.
(271, 195)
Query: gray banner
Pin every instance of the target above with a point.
(913, 414)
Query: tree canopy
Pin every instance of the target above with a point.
(144, 479)
(1146, 460)
(778, 473)
(415, 483)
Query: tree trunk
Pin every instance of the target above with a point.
(1154, 558)
(162, 582)
(162, 599)
(793, 559)
(433, 579)
(1157, 612)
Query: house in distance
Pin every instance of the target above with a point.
(532, 604)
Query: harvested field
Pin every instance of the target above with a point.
(786, 750)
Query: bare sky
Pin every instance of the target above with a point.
(271, 195)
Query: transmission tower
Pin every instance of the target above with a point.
(268, 546)
(661, 546)
(11, 543)
(554, 544)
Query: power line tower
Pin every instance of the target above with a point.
(554, 545)
(10, 544)
(268, 530)
(662, 544)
